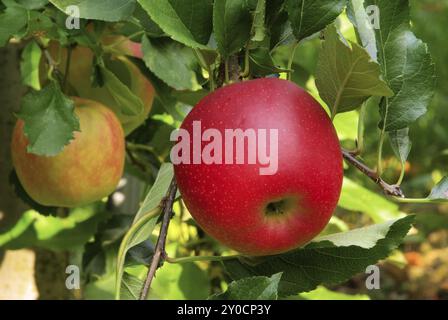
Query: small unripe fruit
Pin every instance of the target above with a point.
(87, 169)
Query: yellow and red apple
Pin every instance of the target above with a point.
(87, 169)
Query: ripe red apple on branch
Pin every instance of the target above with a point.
(88, 169)
(250, 212)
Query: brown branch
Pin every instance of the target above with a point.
(159, 252)
(390, 190)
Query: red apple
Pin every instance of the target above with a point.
(87, 169)
(259, 214)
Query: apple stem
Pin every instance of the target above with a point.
(246, 71)
(55, 73)
(159, 252)
(361, 128)
(390, 190)
(380, 152)
(382, 138)
(201, 258)
(419, 200)
(206, 66)
(211, 78)
(291, 60)
(402, 173)
(226, 71)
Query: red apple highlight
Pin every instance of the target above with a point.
(87, 170)
(259, 214)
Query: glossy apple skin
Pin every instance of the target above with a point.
(228, 201)
(87, 170)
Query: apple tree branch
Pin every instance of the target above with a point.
(159, 252)
(388, 189)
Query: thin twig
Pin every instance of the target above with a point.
(67, 68)
(202, 258)
(246, 71)
(390, 190)
(135, 161)
(142, 147)
(159, 252)
(291, 60)
(226, 71)
(51, 62)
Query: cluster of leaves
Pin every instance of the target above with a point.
(189, 48)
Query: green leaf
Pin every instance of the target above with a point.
(440, 191)
(29, 66)
(171, 62)
(181, 281)
(173, 281)
(186, 21)
(101, 288)
(322, 293)
(166, 97)
(53, 233)
(393, 13)
(262, 63)
(190, 98)
(105, 10)
(253, 288)
(157, 192)
(401, 145)
(310, 16)
(346, 76)
(130, 104)
(279, 27)
(439, 194)
(33, 4)
(344, 124)
(147, 23)
(39, 22)
(430, 222)
(139, 232)
(323, 262)
(361, 21)
(357, 198)
(101, 285)
(131, 287)
(12, 21)
(366, 237)
(410, 72)
(49, 120)
(405, 62)
(144, 222)
(232, 25)
(258, 27)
